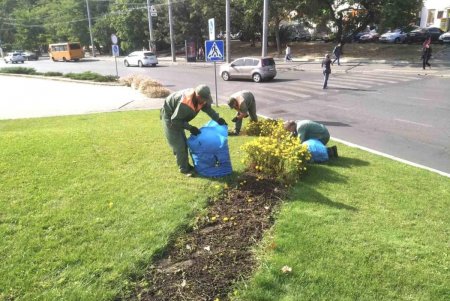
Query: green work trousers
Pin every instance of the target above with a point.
(251, 113)
(177, 141)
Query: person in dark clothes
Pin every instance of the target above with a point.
(326, 66)
(426, 55)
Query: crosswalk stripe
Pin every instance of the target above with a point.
(371, 79)
(307, 89)
(386, 77)
(277, 91)
(355, 81)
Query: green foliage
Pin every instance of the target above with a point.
(32, 25)
(87, 201)
(52, 73)
(18, 70)
(362, 227)
(276, 153)
(262, 127)
(92, 76)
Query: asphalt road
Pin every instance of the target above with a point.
(393, 108)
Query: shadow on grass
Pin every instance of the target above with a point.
(318, 173)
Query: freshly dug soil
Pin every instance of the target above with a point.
(204, 263)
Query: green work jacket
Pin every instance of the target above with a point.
(179, 108)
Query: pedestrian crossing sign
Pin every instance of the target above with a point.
(214, 51)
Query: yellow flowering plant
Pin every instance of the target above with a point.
(276, 154)
(260, 127)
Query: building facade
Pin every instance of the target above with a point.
(436, 13)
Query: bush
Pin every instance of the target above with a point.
(261, 127)
(52, 73)
(147, 86)
(88, 75)
(18, 70)
(277, 154)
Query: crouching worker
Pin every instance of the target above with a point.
(244, 103)
(179, 108)
(307, 129)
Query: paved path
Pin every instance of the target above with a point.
(24, 97)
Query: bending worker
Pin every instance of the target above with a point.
(244, 103)
(307, 129)
(179, 108)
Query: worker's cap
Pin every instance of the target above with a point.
(231, 102)
(204, 92)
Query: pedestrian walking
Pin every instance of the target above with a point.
(178, 110)
(244, 103)
(326, 66)
(308, 129)
(288, 56)
(426, 53)
(337, 51)
(201, 54)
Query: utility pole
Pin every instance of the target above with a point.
(227, 28)
(90, 28)
(265, 28)
(150, 27)
(172, 44)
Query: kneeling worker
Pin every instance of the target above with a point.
(244, 103)
(307, 129)
(179, 108)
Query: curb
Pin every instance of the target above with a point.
(62, 79)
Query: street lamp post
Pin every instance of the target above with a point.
(265, 28)
(150, 27)
(90, 27)
(172, 43)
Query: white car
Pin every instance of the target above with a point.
(141, 59)
(395, 36)
(14, 57)
(445, 37)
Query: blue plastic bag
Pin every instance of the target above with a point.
(318, 150)
(209, 150)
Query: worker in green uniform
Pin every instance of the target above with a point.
(179, 108)
(308, 129)
(244, 103)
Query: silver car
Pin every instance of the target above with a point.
(258, 69)
(14, 57)
(141, 59)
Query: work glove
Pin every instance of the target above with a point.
(194, 130)
(235, 119)
(221, 121)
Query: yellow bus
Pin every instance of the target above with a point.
(66, 51)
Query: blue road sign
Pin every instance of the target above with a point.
(214, 51)
(115, 50)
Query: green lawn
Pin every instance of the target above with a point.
(361, 228)
(87, 201)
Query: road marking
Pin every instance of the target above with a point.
(442, 173)
(413, 122)
(391, 157)
(285, 92)
(419, 98)
(307, 89)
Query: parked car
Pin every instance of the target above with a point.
(393, 36)
(14, 58)
(257, 69)
(445, 37)
(301, 35)
(29, 56)
(141, 59)
(421, 34)
(372, 36)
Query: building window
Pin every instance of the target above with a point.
(430, 18)
(440, 14)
